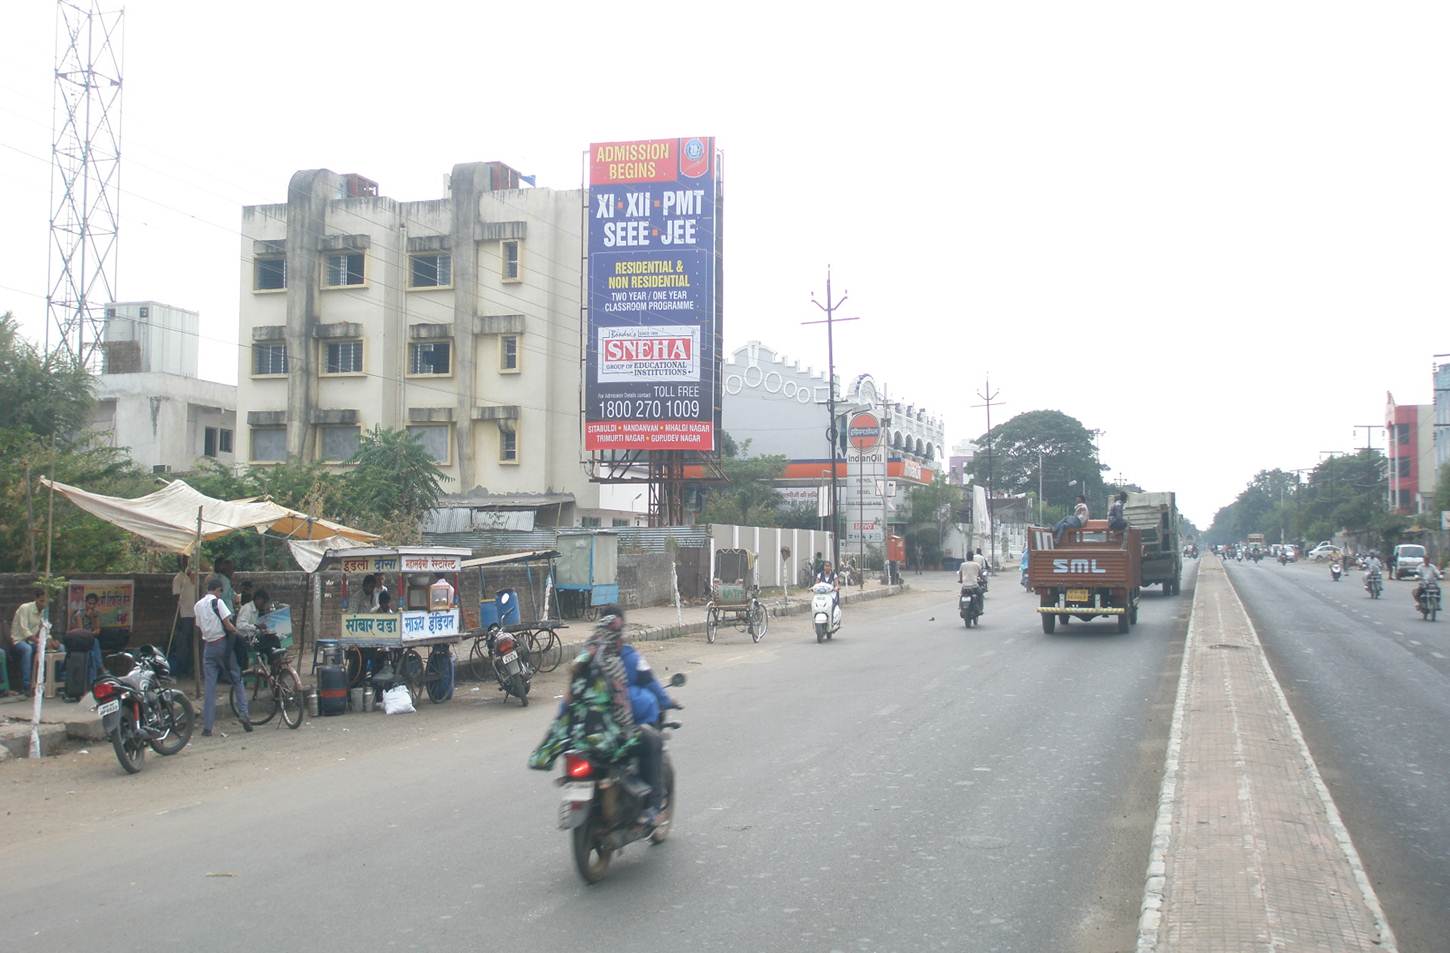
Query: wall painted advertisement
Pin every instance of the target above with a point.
(652, 357)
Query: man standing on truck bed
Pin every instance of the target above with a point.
(1116, 520)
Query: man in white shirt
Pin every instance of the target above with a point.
(183, 587)
(213, 617)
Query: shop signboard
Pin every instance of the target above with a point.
(424, 624)
(652, 362)
(112, 600)
(368, 625)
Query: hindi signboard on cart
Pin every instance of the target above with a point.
(652, 363)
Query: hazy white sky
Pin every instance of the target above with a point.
(1217, 232)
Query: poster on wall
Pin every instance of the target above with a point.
(110, 601)
(651, 363)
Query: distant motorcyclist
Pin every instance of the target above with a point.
(1428, 574)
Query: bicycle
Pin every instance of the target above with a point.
(272, 684)
(545, 649)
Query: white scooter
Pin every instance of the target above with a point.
(825, 610)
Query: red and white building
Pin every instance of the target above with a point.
(1411, 451)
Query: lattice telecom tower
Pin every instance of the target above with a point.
(85, 176)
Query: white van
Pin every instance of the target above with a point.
(1408, 558)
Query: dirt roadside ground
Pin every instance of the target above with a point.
(85, 786)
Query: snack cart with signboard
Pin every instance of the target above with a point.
(586, 573)
(382, 635)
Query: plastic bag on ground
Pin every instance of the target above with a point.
(397, 701)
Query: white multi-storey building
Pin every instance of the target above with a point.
(456, 318)
(148, 397)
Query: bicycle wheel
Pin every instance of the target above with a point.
(261, 701)
(480, 666)
(289, 698)
(547, 650)
(712, 623)
(759, 620)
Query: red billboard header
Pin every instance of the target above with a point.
(650, 160)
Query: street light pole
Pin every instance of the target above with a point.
(830, 308)
(988, 398)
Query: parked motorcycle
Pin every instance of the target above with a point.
(602, 802)
(1373, 584)
(825, 610)
(970, 604)
(512, 667)
(1336, 570)
(138, 710)
(1427, 598)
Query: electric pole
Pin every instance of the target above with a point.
(830, 308)
(988, 397)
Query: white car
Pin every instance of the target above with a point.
(1322, 551)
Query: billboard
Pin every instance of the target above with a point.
(652, 371)
(110, 602)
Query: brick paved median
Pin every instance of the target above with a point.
(1249, 852)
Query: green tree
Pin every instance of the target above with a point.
(392, 484)
(1050, 440)
(932, 513)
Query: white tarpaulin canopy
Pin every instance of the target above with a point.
(168, 517)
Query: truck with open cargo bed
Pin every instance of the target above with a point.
(1093, 571)
(1155, 517)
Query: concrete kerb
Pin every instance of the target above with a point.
(777, 609)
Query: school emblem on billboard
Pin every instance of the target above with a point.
(652, 367)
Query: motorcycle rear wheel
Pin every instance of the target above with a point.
(130, 751)
(591, 861)
(519, 688)
(178, 717)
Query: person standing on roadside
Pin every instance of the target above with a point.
(183, 587)
(25, 631)
(213, 617)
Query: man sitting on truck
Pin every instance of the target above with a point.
(1073, 520)
(1116, 520)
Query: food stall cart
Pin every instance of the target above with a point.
(586, 574)
(382, 648)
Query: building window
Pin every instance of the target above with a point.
(617, 522)
(339, 442)
(589, 522)
(511, 265)
(508, 353)
(1402, 434)
(224, 440)
(269, 444)
(1405, 501)
(208, 442)
(342, 357)
(434, 438)
(145, 312)
(430, 271)
(269, 274)
(508, 441)
(429, 357)
(343, 270)
(269, 359)
(1402, 467)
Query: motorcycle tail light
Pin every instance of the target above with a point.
(102, 691)
(505, 645)
(576, 767)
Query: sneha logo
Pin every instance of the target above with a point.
(1088, 567)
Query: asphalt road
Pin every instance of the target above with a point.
(912, 785)
(1369, 682)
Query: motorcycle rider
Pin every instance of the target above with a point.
(1428, 572)
(1371, 567)
(601, 672)
(971, 576)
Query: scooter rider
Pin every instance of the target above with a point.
(828, 576)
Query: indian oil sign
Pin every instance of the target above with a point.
(651, 361)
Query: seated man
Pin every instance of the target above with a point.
(84, 635)
(1116, 520)
(25, 633)
(1073, 520)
